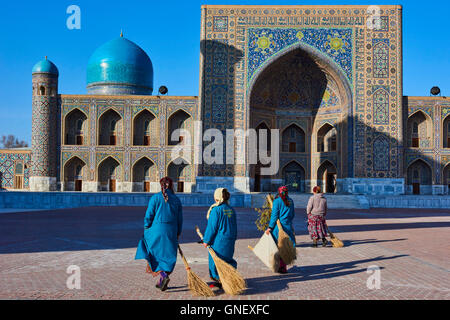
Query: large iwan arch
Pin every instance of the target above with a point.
(300, 87)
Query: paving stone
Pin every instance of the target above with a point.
(410, 246)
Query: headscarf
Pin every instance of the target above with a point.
(166, 183)
(218, 197)
(283, 193)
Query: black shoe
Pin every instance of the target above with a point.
(163, 285)
(314, 245)
(324, 242)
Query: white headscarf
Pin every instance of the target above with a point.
(218, 197)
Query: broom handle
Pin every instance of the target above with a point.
(199, 232)
(183, 258)
(331, 234)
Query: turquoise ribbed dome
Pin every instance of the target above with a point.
(120, 67)
(45, 66)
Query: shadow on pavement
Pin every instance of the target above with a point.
(100, 228)
(276, 283)
(349, 243)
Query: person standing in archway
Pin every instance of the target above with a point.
(316, 211)
(162, 228)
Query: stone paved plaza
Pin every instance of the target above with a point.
(410, 246)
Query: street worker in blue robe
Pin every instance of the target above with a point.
(162, 228)
(283, 209)
(221, 233)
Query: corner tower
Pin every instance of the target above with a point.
(44, 135)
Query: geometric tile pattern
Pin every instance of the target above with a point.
(256, 36)
(126, 154)
(381, 106)
(44, 129)
(336, 43)
(7, 168)
(381, 58)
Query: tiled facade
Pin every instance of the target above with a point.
(324, 76)
(15, 163)
(126, 152)
(363, 65)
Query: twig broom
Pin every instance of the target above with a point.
(197, 286)
(285, 246)
(335, 240)
(232, 281)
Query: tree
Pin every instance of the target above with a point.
(11, 141)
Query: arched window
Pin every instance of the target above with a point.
(42, 90)
(293, 139)
(419, 130)
(446, 142)
(19, 168)
(73, 174)
(419, 177)
(110, 128)
(178, 120)
(327, 138)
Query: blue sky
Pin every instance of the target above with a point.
(169, 31)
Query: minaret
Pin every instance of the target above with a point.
(44, 135)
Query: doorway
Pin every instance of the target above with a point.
(112, 185)
(330, 184)
(78, 184)
(416, 188)
(327, 177)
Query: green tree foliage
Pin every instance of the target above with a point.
(262, 222)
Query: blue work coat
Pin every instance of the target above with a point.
(286, 215)
(221, 234)
(162, 226)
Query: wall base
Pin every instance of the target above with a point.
(43, 184)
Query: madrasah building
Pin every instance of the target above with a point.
(328, 77)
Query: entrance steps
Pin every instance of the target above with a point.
(334, 201)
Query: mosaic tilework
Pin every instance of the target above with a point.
(430, 149)
(220, 24)
(381, 106)
(264, 42)
(7, 168)
(380, 58)
(44, 129)
(261, 33)
(125, 153)
(381, 154)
